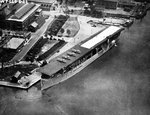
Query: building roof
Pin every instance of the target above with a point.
(15, 6)
(14, 43)
(34, 24)
(42, 1)
(8, 8)
(71, 56)
(24, 12)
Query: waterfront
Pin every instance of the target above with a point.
(117, 83)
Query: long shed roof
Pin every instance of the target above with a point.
(24, 12)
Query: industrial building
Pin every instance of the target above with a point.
(17, 16)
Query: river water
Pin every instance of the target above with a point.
(118, 83)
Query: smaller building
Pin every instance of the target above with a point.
(14, 43)
(33, 27)
(38, 22)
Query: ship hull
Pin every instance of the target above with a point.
(46, 83)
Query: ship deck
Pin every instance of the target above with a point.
(56, 64)
(59, 62)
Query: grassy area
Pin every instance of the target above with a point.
(71, 25)
(57, 24)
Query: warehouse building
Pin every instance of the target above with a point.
(23, 17)
(17, 16)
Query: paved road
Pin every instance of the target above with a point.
(35, 37)
(118, 83)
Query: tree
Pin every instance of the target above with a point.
(68, 32)
(62, 30)
(91, 5)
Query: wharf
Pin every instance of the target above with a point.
(33, 78)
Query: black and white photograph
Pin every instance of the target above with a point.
(74, 57)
